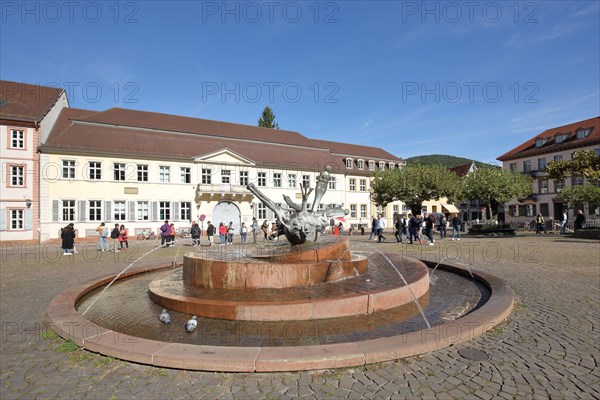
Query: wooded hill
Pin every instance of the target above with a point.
(445, 160)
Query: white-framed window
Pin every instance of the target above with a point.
(68, 210)
(513, 167)
(363, 211)
(17, 219)
(94, 170)
(558, 157)
(276, 179)
(17, 175)
(360, 164)
(243, 178)
(363, 185)
(381, 211)
(349, 163)
(142, 173)
(391, 165)
(185, 211)
(577, 181)
(405, 208)
(95, 210)
(291, 180)
(352, 184)
(262, 179)
(381, 165)
(143, 211)
(262, 211)
(352, 210)
(582, 133)
(543, 186)
(541, 163)
(206, 176)
(68, 169)
(395, 209)
(559, 138)
(225, 176)
(185, 175)
(559, 185)
(164, 210)
(164, 174)
(119, 171)
(119, 210)
(527, 166)
(539, 142)
(332, 183)
(371, 165)
(306, 181)
(17, 139)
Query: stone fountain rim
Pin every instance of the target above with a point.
(69, 324)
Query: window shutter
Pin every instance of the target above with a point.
(132, 215)
(175, 216)
(54, 210)
(28, 219)
(82, 211)
(154, 206)
(108, 211)
(3, 217)
(255, 210)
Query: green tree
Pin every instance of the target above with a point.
(413, 184)
(585, 164)
(495, 185)
(267, 120)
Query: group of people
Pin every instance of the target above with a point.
(416, 228)
(119, 234)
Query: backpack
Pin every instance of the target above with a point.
(115, 233)
(444, 221)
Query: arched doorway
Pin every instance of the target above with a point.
(226, 212)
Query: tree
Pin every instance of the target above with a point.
(267, 120)
(495, 185)
(585, 164)
(413, 184)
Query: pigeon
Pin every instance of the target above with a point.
(191, 324)
(165, 317)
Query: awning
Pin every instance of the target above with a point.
(451, 208)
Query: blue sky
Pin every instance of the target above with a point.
(471, 79)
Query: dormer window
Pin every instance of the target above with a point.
(582, 133)
(560, 137)
(381, 165)
(371, 165)
(360, 164)
(539, 142)
(349, 163)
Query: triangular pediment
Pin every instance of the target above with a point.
(224, 156)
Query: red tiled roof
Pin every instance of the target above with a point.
(528, 148)
(26, 102)
(152, 135)
(357, 151)
(461, 170)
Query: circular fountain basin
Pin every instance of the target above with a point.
(124, 324)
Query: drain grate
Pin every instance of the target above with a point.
(473, 354)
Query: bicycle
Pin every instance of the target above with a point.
(146, 236)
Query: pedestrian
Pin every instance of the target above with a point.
(539, 224)
(172, 233)
(563, 222)
(68, 239)
(398, 230)
(195, 232)
(244, 233)
(374, 222)
(210, 232)
(72, 226)
(255, 229)
(380, 228)
(230, 232)
(413, 224)
(579, 220)
(341, 229)
(164, 234)
(265, 229)
(102, 230)
(456, 223)
(123, 239)
(222, 234)
(442, 226)
(114, 235)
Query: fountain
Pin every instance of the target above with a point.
(304, 303)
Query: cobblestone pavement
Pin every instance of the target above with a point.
(549, 348)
